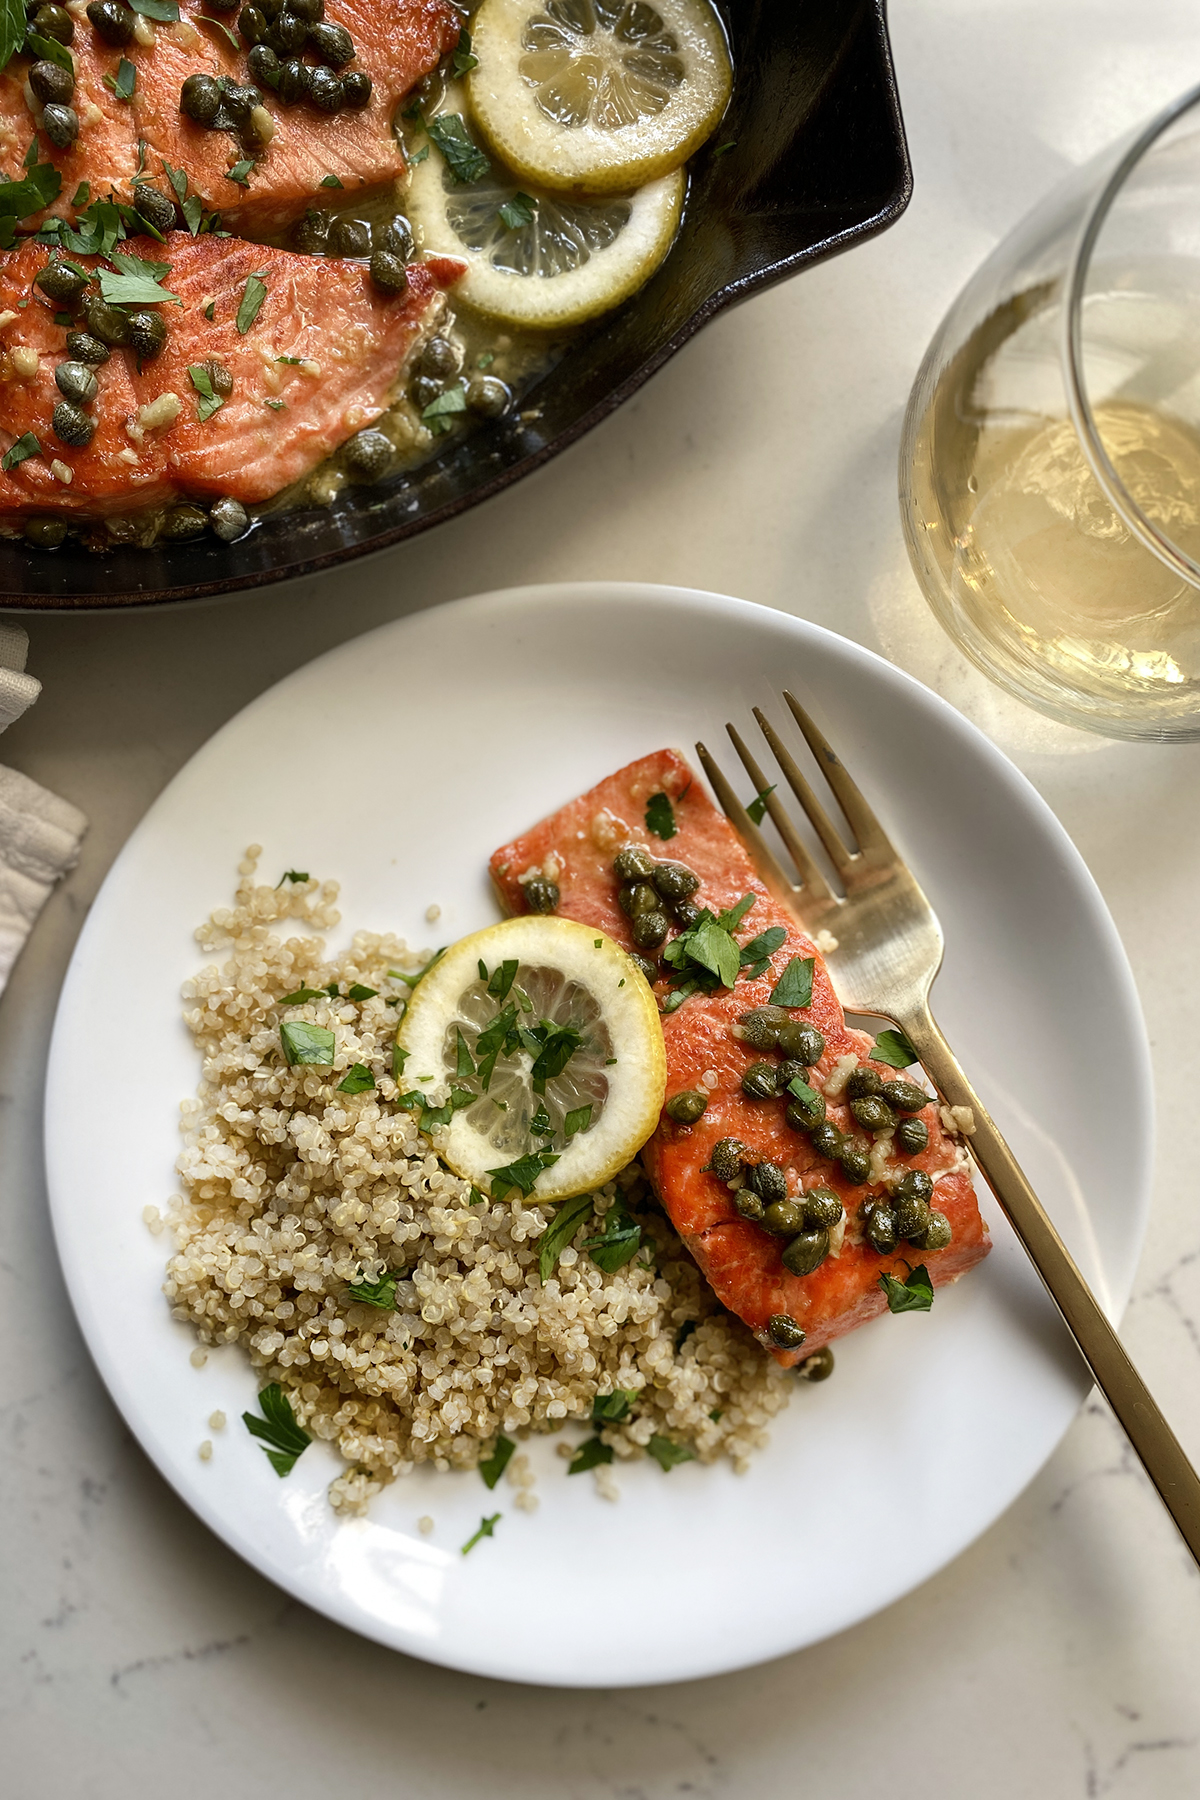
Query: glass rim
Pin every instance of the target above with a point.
(1079, 406)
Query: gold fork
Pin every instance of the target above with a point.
(889, 948)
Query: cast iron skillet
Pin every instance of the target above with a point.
(818, 163)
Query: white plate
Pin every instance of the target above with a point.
(395, 764)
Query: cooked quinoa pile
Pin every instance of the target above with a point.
(292, 1191)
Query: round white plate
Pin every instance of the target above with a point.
(395, 764)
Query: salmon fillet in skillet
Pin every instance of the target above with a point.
(105, 154)
(740, 1259)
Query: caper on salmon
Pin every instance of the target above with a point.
(51, 84)
(862, 1084)
(240, 99)
(801, 1042)
(686, 1107)
(873, 1113)
(61, 281)
(916, 1184)
(332, 44)
(54, 22)
(818, 1366)
(805, 1110)
(107, 323)
(760, 1028)
(541, 894)
(768, 1181)
(686, 912)
(356, 90)
(912, 1136)
(827, 1140)
(368, 456)
(632, 863)
(904, 1096)
(855, 1160)
(287, 34)
(784, 1218)
(85, 348)
(880, 1228)
(71, 425)
(674, 880)
(112, 21)
(806, 1252)
(147, 335)
(912, 1215)
(822, 1209)
(749, 1206)
(649, 929)
(325, 90)
(252, 23)
(61, 125)
(310, 235)
(637, 897)
(200, 98)
(725, 1161)
(937, 1233)
(761, 1081)
(263, 64)
(311, 11)
(75, 381)
(349, 237)
(154, 206)
(644, 966)
(389, 274)
(293, 83)
(785, 1331)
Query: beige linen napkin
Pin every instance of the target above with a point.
(39, 833)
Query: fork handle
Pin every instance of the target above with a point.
(1156, 1444)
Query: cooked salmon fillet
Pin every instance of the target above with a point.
(740, 1259)
(324, 313)
(105, 154)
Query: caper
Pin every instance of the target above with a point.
(147, 335)
(111, 21)
(311, 11)
(356, 90)
(349, 237)
(55, 22)
(769, 1182)
(785, 1331)
(181, 522)
(332, 44)
(725, 1160)
(912, 1216)
(397, 237)
(51, 84)
(61, 125)
(822, 1209)
(59, 281)
(107, 323)
(632, 863)
(904, 1096)
(806, 1252)
(47, 534)
(75, 381)
(488, 397)
(440, 357)
(644, 966)
(649, 929)
(220, 378)
(240, 100)
(803, 1042)
(761, 1028)
(310, 235)
(85, 348)
(686, 912)
(749, 1206)
(270, 9)
(252, 23)
(790, 1070)
(873, 1113)
(818, 1366)
(423, 390)
(229, 519)
(880, 1228)
(784, 1218)
(390, 275)
(688, 1106)
(71, 425)
(223, 6)
(802, 1113)
(937, 1233)
(638, 897)
(293, 83)
(827, 1140)
(760, 1082)
(155, 207)
(200, 98)
(368, 456)
(855, 1159)
(541, 894)
(912, 1136)
(915, 1184)
(325, 90)
(674, 880)
(263, 63)
(288, 34)
(862, 1084)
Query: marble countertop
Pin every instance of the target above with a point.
(1058, 1656)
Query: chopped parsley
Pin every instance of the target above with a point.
(668, 1454)
(612, 1409)
(894, 1049)
(12, 29)
(137, 281)
(912, 1295)
(209, 400)
(330, 181)
(464, 159)
(757, 809)
(438, 414)
(39, 187)
(48, 50)
(724, 149)
(276, 405)
(567, 1220)
(282, 1438)
(539, 1125)
(487, 1528)
(577, 1120)
(231, 37)
(499, 984)
(756, 955)
(520, 210)
(24, 447)
(253, 295)
(357, 1080)
(166, 11)
(521, 1174)
(620, 1243)
(82, 194)
(808, 1097)
(302, 996)
(399, 1058)
(464, 1062)
(293, 875)
(305, 1043)
(356, 991)
(794, 987)
(462, 59)
(418, 156)
(493, 1468)
(486, 360)
(660, 817)
(240, 171)
(210, 311)
(589, 1455)
(380, 1292)
(708, 956)
(558, 1044)
(124, 81)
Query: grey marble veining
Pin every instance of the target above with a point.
(1059, 1655)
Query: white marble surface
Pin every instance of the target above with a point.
(1059, 1655)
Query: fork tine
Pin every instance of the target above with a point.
(841, 857)
(764, 859)
(865, 826)
(815, 885)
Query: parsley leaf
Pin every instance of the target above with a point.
(757, 810)
(356, 991)
(437, 415)
(40, 186)
(487, 1528)
(660, 817)
(559, 1046)
(210, 401)
(358, 1080)
(12, 29)
(567, 1220)
(498, 1461)
(577, 1120)
(418, 156)
(491, 1041)
(732, 917)
(82, 194)
(620, 1243)
(240, 171)
(278, 1428)
(253, 295)
(380, 1292)
(520, 210)
(164, 10)
(462, 59)
(330, 181)
(521, 1174)
(305, 1043)
(611, 1409)
(794, 987)
(589, 1455)
(399, 1058)
(808, 1097)
(464, 1067)
(302, 996)
(894, 1049)
(124, 81)
(539, 1125)
(292, 875)
(24, 447)
(756, 955)
(137, 283)
(502, 979)
(48, 50)
(464, 159)
(913, 1295)
(231, 37)
(412, 980)
(668, 1454)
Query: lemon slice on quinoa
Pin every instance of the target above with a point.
(597, 95)
(542, 260)
(541, 1040)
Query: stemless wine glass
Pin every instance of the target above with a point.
(1050, 465)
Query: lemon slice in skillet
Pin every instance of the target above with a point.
(542, 260)
(598, 96)
(543, 1042)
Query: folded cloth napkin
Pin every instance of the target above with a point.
(39, 833)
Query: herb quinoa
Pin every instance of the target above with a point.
(299, 1182)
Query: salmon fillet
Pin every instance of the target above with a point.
(740, 1259)
(105, 154)
(323, 312)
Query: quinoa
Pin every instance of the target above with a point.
(292, 1191)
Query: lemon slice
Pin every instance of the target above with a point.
(542, 1040)
(546, 261)
(597, 95)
